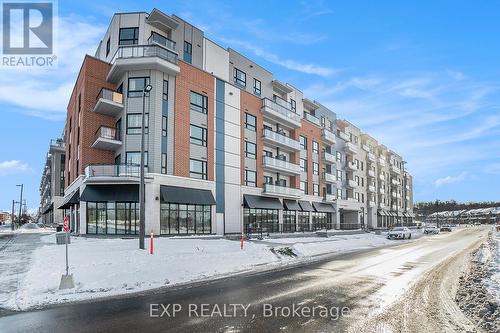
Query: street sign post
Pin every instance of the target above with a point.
(67, 279)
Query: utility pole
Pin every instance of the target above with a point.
(20, 204)
(142, 203)
(437, 213)
(12, 216)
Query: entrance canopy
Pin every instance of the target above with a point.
(111, 192)
(71, 200)
(323, 207)
(306, 206)
(291, 204)
(255, 201)
(186, 195)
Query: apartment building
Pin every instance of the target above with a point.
(228, 147)
(53, 183)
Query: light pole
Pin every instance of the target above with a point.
(142, 203)
(20, 204)
(403, 191)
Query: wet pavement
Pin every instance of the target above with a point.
(328, 295)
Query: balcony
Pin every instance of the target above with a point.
(395, 169)
(350, 148)
(328, 158)
(372, 204)
(371, 188)
(109, 102)
(344, 136)
(371, 157)
(381, 177)
(103, 172)
(329, 178)
(394, 194)
(381, 190)
(281, 166)
(328, 136)
(329, 197)
(281, 113)
(381, 161)
(351, 183)
(365, 148)
(280, 140)
(407, 186)
(371, 173)
(283, 191)
(142, 57)
(107, 138)
(162, 41)
(394, 182)
(381, 205)
(351, 166)
(312, 119)
(58, 144)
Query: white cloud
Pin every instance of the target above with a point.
(287, 63)
(13, 166)
(456, 75)
(451, 179)
(44, 92)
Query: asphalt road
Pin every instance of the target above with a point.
(331, 295)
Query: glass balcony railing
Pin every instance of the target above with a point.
(328, 136)
(161, 40)
(104, 132)
(110, 95)
(281, 138)
(312, 119)
(141, 51)
(284, 111)
(281, 164)
(58, 143)
(282, 190)
(113, 170)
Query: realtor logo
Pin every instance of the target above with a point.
(27, 28)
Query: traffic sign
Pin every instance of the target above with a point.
(66, 225)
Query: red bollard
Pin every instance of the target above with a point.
(241, 241)
(151, 244)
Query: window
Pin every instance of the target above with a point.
(339, 175)
(250, 122)
(136, 86)
(338, 156)
(134, 123)
(197, 169)
(339, 193)
(185, 219)
(315, 189)
(315, 168)
(281, 182)
(188, 52)
(198, 135)
(315, 147)
(257, 87)
(303, 187)
(163, 126)
(240, 78)
(164, 163)
(112, 218)
(250, 178)
(303, 165)
(134, 157)
(198, 103)
(268, 153)
(108, 46)
(293, 105)
(268, 180)
(129, 36)
(322, 121)
(250, 150)
(303, 142)
(356, 178)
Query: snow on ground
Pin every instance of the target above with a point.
(106, 267)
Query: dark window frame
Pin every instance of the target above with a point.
(252, 155)
(198, 141)
(134, 130)
(125, 41)
(194, 174)
(257, 90)
(137, 92)
(203, 108)
(237, 80)
(249, 126)
(248, 182)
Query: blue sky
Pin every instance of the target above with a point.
(423, 78)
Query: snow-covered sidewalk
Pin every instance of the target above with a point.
(106, 267)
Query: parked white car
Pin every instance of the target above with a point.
(399, 233)
(431, 230)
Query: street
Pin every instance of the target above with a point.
(350, 286)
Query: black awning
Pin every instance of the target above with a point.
(114, 192)
(186, 195)
(381, 212)
(49, 208)
(306, 206)
(71, 200)
(255, 201)
(323, 207)
(291, 204)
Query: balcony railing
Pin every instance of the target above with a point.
(104, 132)
(312, 119)
(281, 139)
(371, 157)
(381, 177)
(328, 157)
(352, 183)
(141, 51)
(365, 148)
(350, 147)
(113, 170)
(161, 40)
(281, 165)
(394, 182)
(329, 197)
(328, 177)
(395, 169)
(282, 190)
(371, 173)
(58, 143)
(394, 194)
(381, 190)
(381, 161)
(281, 111)
(344, 136)
(328, 136)
(351, 166)
(371, 188)
(110, 95)
(372, 203)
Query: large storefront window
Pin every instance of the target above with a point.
(303, 224)
(260, 220)
(289, 221)
(319, 220)
(110, 218)
(181, 219)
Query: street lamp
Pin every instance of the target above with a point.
(142, 203)
(20, 204)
